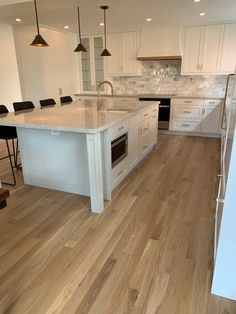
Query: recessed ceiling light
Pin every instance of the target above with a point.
(18, 20)
(148, 19)
(202, 14)
(101, 24)
(197, 0)
(66, 27)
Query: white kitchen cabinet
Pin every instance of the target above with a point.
(123, 49)
(202, 48)
(196, 115)
(192, 50)
(211, 116)
(92, 65)
(228, 55)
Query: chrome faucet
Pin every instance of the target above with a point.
(98, 90)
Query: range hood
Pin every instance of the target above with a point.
(160, 43)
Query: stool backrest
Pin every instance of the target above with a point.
(3, 109)
(47, 102)
(66, 99)
(23, 105)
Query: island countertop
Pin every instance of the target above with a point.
(80, 116)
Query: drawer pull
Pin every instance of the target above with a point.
(145, 115)
(185, 125)
(155, 116)
(212, 102)
(145, 129)
(188, 101)
(187, 111)
(154, 110)
(120, 173)
(144, 147)
(121, 128)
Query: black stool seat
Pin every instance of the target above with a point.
(23, 105)
(47, 102)
(66, 99)
(9, 133)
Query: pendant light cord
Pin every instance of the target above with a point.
(105, 29)
(79, 25)
(36, 14)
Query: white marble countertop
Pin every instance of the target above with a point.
(79, 116)
(174, 96)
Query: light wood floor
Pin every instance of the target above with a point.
(150, 251)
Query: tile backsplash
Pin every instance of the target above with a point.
(164, 77)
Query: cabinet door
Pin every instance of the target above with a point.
(211, 119)
(129, 53)
(133, 146)
(228, 57)
(114, 45)
(192, 49)
(211, 48)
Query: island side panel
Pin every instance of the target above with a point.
(55, 160)
(94, 150)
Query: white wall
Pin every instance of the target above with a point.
(44, 71)
(10, 89)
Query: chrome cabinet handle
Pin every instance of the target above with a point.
(188, 101)
(203, 111)
(187, 111)
(145, 129)
(144, 147)
(185, 125)
(145, 115)
(121, 128)
(212, 102)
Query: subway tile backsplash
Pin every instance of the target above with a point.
(164, 77)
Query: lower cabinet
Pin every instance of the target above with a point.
(142, 137)
(196, 115)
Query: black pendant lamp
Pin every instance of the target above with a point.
(105, 52)
(38, 40)
(80, 46)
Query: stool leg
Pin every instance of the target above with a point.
(12, 167)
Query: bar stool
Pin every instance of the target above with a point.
(66, 99)
(47, 102)
(23, 105)
(8, 133)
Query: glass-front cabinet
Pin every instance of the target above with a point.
(92, 64)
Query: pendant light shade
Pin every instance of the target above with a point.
(80, 47)
(38, 40)
(105, 52)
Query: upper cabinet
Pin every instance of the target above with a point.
(228, 56)
(209, 49)
(124, 50)
(92, 64)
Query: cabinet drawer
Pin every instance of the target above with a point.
(146, 114)
(187, 112)
(186, 126)
(119, 129)
(120, 169)
(144, 127)
(193, 102)
(213, 102)
(134, 121)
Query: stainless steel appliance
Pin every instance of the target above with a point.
(119, 149)
(164, 111)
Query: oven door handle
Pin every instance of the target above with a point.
(164, 106)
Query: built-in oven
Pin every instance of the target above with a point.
(164, 111)
(119, 149)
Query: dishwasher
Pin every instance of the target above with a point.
(164, 111)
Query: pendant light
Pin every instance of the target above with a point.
(80, 46)
(105, 52)
(38, 40)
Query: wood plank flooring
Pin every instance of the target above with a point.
(151, 251)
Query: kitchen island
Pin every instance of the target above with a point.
(68, 147)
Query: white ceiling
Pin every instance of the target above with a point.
(123, 14)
